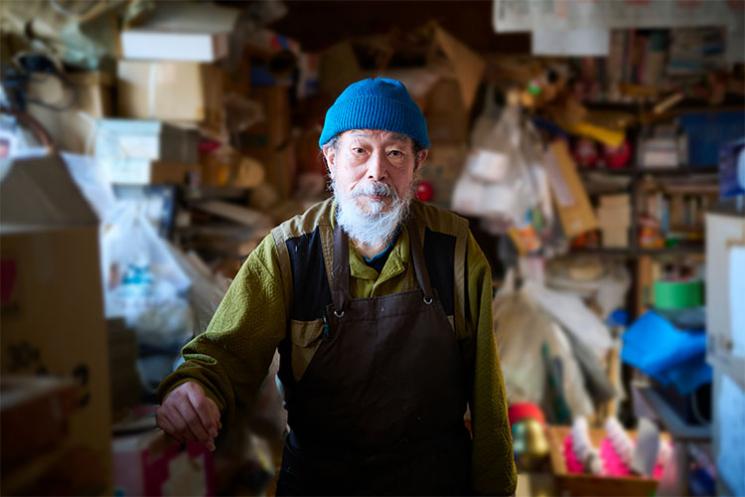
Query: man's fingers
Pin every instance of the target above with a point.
(196, 425)
(182, 424)
(198, 398)
(215, 412)
(200, 404)
(166, 424)
(188, 414)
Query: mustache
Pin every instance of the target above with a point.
(376, 188)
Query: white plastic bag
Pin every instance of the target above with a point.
(502, 180)
(569, 310)
(143, 283)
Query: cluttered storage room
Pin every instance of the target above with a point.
(235, 236)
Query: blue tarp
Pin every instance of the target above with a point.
(671, 356)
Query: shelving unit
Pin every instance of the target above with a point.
(637, 180)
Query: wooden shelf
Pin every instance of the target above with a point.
(687, 105)
(636, 252)
(636, 171)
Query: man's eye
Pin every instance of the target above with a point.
(358, 150)
(396, 153)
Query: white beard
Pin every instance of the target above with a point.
(374, 227)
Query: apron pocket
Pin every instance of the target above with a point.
(306, 338)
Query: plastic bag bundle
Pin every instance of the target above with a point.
(503, 180)
(143, 283)
(523, 332)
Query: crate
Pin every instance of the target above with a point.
(578, 485)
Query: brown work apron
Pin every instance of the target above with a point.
(379, 410)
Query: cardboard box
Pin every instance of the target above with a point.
(141, 44)
(614, 218)
(51, 302)
(145, 172)
(615, 236)
(273, 132)
(466, 65)
(35, 415)
(146, 152)
(621, 200)
(442, 169)
(270, 142)
(227, 167)
(340, 64)
(439, 95)
(611, 217)
(67, 108)
(279, 168)
(60, 471)
(572, 203)
(338, 67)
(149, 463)
(164, 173)
(447, 116)
(181, 31)
(123, 354)
(171, 91)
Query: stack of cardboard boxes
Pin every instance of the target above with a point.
(169, 73)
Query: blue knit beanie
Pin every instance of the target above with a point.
(376, 103)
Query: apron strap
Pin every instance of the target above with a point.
(420, 268)
(340, 284)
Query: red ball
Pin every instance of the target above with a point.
(586, 153)
(618, 157)
(424, 191)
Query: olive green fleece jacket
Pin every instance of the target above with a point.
(231, 358)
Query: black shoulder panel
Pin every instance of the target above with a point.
(310, 285)
(439, 255)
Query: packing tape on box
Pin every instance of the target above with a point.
(669, 295)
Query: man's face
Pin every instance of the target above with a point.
(368, 166)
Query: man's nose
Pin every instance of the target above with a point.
(377, 166)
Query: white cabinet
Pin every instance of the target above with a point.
(725, 316)
(725, 293)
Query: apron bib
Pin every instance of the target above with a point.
(379, 409)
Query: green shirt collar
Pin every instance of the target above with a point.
(396, 264)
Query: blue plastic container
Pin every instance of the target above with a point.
(708, 131)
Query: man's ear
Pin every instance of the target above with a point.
(421, 156)
(329, 157)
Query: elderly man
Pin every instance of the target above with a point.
(380, 307)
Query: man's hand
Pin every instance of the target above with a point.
(188, 414)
